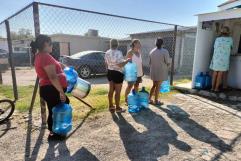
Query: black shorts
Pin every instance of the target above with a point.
(115, 76)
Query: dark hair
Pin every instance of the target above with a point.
(134, 41)
(159, 43)
(225, 33)
(38, 44)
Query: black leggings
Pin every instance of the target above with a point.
(50, 94)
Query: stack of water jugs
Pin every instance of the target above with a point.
(139, 100)
(62, 113)
(203, 81)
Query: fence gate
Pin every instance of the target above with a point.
(84, 32)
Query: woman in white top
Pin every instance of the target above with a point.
(115, 63)
(135, 55)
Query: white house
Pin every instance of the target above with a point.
(208, 28)
(71, 44)
(3, 44)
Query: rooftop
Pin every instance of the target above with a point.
(228, 2)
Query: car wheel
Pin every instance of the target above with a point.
(84, 71)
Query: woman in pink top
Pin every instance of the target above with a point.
(52, 79)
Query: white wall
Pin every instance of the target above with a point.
(3, 44)
(82, 43)
(203, 50)
(230, 5)
(148, 43)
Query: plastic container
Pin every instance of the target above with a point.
(71, 76)
(130, 72)
(143, 98)
(208, 81)
(200, 81)
(62, 119)
(81, 89)
(165, 87)
(133, 105)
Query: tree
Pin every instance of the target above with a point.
(21, 34)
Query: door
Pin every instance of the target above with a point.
(236, 39)
(56, 50)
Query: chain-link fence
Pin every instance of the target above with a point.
(80, 39)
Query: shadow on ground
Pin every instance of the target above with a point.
(152, 143)
(5, 127)
(60, 146)
(64, 153)
(195, 130)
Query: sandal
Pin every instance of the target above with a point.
(112, 109)
(120, 110)
(151, 102)
(158, 103)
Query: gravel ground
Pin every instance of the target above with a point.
(187, 128)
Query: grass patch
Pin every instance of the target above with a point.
(181, 81)
(24, 93)
(96, 98)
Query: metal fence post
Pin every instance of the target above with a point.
(173, 56)
(37, 32)
(10, 51)
(1, 77)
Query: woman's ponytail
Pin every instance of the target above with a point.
(33, 46)
(34, 49)
(39, 44)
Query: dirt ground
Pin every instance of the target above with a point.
(186, 128)
(26, 76)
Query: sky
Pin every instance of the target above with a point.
(181, 12)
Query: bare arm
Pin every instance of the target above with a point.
(129, 55)
(124, 63)
(51, 72)
(62, 65)
(167, 59)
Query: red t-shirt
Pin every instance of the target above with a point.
(44, 59)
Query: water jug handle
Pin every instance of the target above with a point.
(71, 67)
(62, 103)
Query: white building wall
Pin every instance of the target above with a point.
(230, 5)
(3, 44)
(148, 43)
(82, 43)
(203, 49)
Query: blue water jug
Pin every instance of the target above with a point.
(143, 98)
(200, 81)
(62, 119)
(130, 72)
(208, 81)
(133, 105)
(71, 76)
(165, 87)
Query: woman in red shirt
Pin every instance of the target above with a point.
(52, 79)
